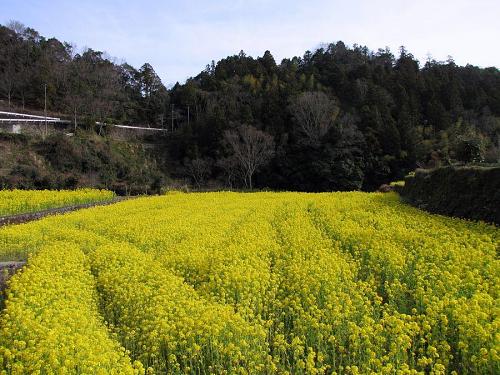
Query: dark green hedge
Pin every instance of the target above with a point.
(467, 192)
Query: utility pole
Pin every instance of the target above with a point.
(188, 115)
(75, 119)
(172, 118)
(45, 108)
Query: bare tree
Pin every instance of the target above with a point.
(231, 170)
(7, 82)
(251, 148)
(17, 27)
(315, 113)
(198, 169)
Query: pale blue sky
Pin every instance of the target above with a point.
(180, 37)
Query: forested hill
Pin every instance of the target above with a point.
(337, 118)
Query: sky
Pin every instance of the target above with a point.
(179, 38)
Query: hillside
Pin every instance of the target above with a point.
(85, 160)
(337, 118)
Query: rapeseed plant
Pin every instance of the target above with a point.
(346, 283)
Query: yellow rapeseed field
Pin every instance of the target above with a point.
(257, 283)
(24, 201)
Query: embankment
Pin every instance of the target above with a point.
(466, 192)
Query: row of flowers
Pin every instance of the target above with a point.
(25, 201)
(272, 283)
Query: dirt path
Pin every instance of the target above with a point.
(7, 269)
(26, 217)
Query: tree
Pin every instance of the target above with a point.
(154, 94)
(315, 114)
(337, 164)
(469, 150)
(493, 153)
(267, 61)
(230, 170)
(9, 64)
(403, 113)
(198, 169)
(150, 82)
(252, 149)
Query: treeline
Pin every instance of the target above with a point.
(88, 85)
(343, 118)
(338, 118)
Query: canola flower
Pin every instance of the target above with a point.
(25, 201)
(286, 283)
(51, 324)
(165, 324)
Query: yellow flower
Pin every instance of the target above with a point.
(229, 283)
